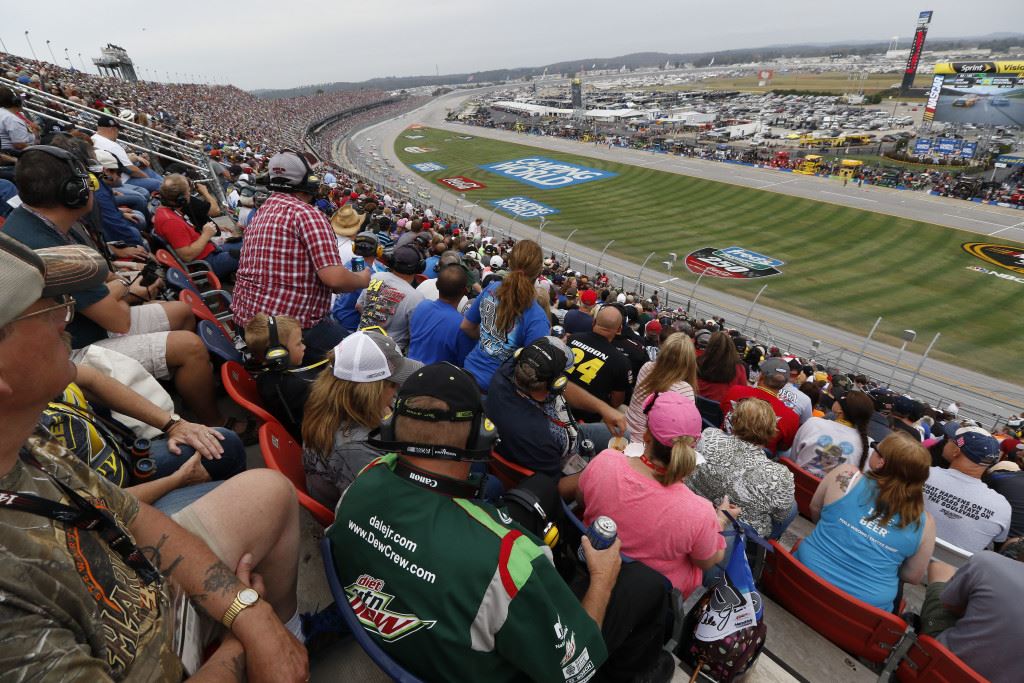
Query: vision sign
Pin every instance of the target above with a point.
(523, 207)
(547, 174)
(732, 262)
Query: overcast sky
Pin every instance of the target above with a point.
(279, 44)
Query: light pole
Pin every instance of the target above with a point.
(81, 61)
(565, 245)
(908, 336)
(815, 345)
(864, 346)
(50, 48)
(67, 56)
(599, 258)
(30, 47)
(913, 378)
(540, 231)
(693, 292)
(643, 265)
(752, 304)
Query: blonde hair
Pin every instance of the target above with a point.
(754, 421)
(516, 292)
(335, 403)
(257, 333)
(679, 459)
(900, 480)
(677, 360)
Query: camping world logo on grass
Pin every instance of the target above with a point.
(732, 262)
(523, 207)
(429, 167)
(547, 174)
(1002, 255)
(461, 183)
(419, 150)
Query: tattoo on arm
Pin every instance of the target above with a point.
(219, 580)
(153, 554)
(235, 667)
(844, 480)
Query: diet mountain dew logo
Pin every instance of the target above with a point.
(370, 604)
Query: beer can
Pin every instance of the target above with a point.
(602, 532)
(586, 448)
(358, 264)
(144, 469)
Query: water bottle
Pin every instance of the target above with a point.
(602, 533)
(358, 264)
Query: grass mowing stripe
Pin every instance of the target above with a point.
(843, 266)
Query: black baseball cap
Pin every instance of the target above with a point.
(108, 122)
(407, 260)
(445, 382)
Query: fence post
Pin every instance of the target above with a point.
(864, 346)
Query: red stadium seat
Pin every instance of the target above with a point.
(931, 661)
(507, 472)
(282, 453)
(202, 312)
(855, 626)
(241, 387)
(806, 484)
(198, 271)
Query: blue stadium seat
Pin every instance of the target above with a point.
(217, 343)
(370, 647)
(710, 411)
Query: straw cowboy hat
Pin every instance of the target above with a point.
(346, 222)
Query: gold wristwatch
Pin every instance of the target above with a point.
(247, 597)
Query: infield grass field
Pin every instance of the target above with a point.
(843, 266)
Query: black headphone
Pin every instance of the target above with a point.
(366, 244)
(310, 183)
(75, 191)
(541, 356)
(482, 433)
(419, 267)
(529, 500)
(277, 355)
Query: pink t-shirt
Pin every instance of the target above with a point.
(661, 526)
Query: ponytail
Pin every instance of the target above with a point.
(516, 292)
(680, 459)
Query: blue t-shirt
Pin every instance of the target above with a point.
(860, 557)
(434, 334)
(495, 346)
(576, 321)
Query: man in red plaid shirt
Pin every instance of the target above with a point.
(290, 263)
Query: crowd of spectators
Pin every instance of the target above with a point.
(406, 352)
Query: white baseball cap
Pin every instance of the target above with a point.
(497, 261)
(370, 357)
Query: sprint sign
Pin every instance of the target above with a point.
(547, 174)
(461, 183)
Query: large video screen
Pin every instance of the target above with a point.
(981, 93)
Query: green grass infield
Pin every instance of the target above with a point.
(842, 266)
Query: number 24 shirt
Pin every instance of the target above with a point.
(599, 368)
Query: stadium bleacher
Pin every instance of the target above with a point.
(227, 137)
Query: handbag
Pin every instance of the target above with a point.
(730, 630)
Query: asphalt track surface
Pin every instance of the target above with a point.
(983, 397)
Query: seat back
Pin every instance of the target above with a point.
(179, 280)
(710, 411)
(377, 655)
(282, 453)
(855, 626)
(929, 660)
(167, 259)
(217, 343)
(806, 484)
(507, 472)
(241, 387)
(202, 312)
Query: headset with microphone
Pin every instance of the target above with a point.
(543, 357)
(277, 356)
(310, 183)
(74, 192)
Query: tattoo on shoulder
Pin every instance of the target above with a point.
(154, 554)
(844, 480)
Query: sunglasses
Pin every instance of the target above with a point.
(67, 304)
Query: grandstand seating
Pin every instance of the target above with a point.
(507, 472)
(282, 453)
(216, 343)
(202, 312)
(931, 661)
(196, 270)
(241, 387)
(710, 411)
(806, 484)
(855, 626)
(372, 650)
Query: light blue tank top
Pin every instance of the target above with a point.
(862, 558)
